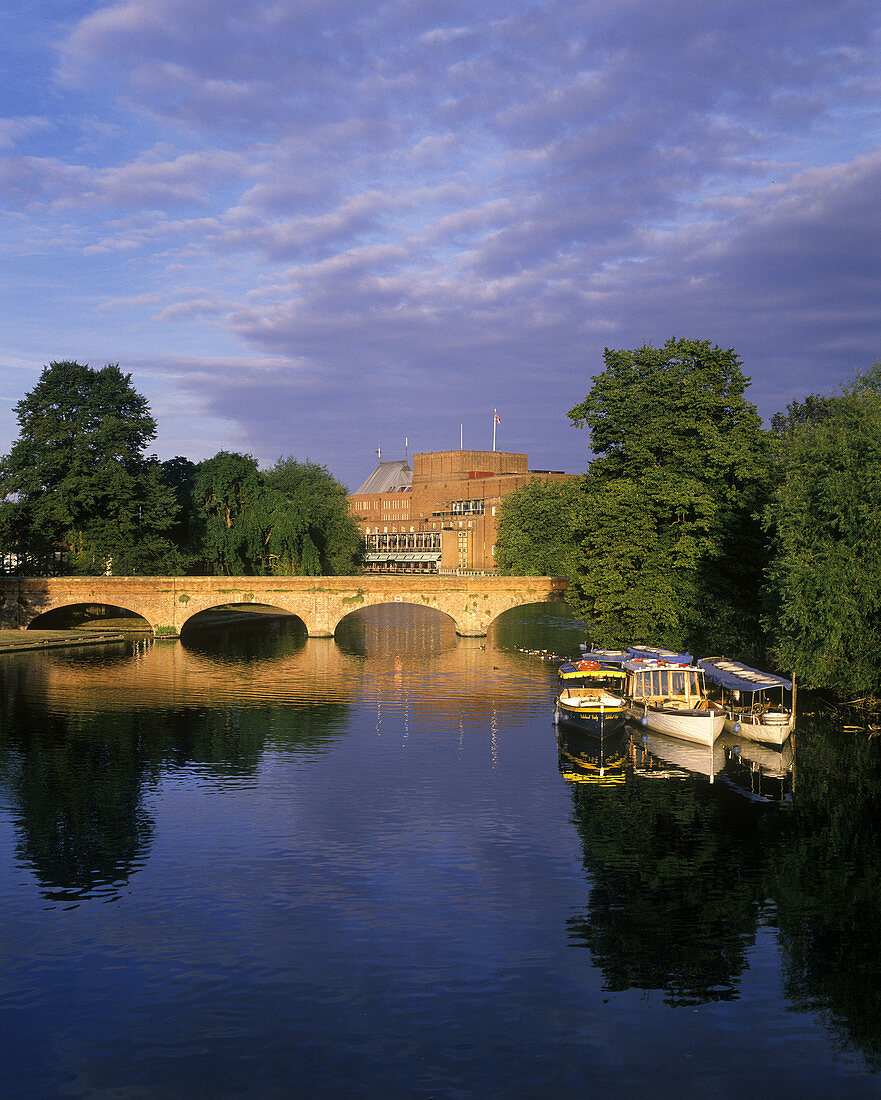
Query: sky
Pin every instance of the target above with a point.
(318, 228)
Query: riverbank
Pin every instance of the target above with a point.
(15, 641)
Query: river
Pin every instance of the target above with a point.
(248, 863)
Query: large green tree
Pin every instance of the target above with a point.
(77, 481)
(231, 499)
(540, 529)
(290, 520)
(311, 530)
(825, 577)
(673, 549)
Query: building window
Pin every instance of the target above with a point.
(466, 507)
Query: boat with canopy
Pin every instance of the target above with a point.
(591, 697)
(667, 693)
(758, 705)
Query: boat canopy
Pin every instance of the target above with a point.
(739, 677)
(649, 653)
(607, 656)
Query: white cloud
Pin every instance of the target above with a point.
(395, 212)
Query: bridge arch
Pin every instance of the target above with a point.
(471, 601)
(64, 615)
(233, 613)
(375, 605)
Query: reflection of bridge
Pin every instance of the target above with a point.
(472, 602)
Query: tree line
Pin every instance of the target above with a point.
(79, 494)
(696, 528)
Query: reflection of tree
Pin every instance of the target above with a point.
(538, 628)
(677, 886)
(77, 776)
(829, 885)
(83, 826)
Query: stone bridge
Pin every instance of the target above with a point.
(472, 602)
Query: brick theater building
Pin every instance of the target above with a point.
(441, 515)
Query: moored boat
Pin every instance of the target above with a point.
(592, 710)
(591, 697)
(758, 705)
(597, 666)
(604, 656)
(668, 694)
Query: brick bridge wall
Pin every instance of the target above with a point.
(321, 602)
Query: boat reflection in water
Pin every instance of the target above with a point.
(658, 755)
(761, 772)
(584, 758)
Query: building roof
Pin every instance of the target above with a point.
(389, 477)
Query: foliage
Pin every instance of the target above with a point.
(231, 499)
(311, 529)
(812, 410)
(291, 520)
(673, 550)
(76, 479)
(827, 517)
(540, 527)
(179, 474)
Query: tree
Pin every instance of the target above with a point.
(311, 529)
(825, 577)
(76, 479)
(673, 550)
(540, 529)
(291, 520)
(179, 474)
(231, 499)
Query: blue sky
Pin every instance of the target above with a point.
(317, 227)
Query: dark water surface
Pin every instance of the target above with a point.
(251, 864)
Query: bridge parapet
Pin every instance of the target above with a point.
(472, 602)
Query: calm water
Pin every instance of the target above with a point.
(252, 864)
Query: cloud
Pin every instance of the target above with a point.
(15, 130)
(341, 215)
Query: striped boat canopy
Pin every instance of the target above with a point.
(739, 677)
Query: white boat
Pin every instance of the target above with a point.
(668, 694)
(758, 705)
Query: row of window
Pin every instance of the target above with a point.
(423, 540)
(434, 527)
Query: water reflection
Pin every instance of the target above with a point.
(764, 773)
(658, 754)
(683, 875)
(380, 832)
(827, 886)
(587, 759)
(676, 887)
(82, 823)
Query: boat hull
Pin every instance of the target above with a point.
(594, 721)
(768, 730)
(699, 726)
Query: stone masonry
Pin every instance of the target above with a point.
(321, 602)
